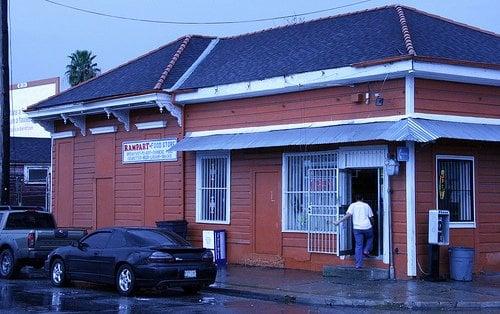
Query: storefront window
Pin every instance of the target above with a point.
(455, 187)
(309, 180)
(212, 188)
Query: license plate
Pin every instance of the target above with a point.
(190, 274)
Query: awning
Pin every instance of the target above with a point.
(408, 129)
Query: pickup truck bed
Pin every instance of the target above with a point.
(27, 236)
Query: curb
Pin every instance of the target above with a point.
(319, 300)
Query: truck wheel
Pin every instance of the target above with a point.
(125, 280)
(58, 273)
(8, 267)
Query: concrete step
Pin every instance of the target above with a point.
(351, 272)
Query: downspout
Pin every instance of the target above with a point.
(392, 272)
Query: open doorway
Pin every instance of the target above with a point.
(368, 183)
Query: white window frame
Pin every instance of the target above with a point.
(199, 157)
(284, 176)
(458, 224)
(27, 169)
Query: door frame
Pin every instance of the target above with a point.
(254, 209)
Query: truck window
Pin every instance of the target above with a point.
(29, 220)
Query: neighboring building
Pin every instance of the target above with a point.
(29, 145)
(277, 129)
(30, 171)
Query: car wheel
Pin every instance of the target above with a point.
(58, 275)
(125, 280)
(9, 269)
(191, 289)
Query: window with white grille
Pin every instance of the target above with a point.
(455, 187)
(309, 179)
(35, 174)
(212, 187)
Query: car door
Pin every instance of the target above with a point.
(115, 251)
(84, 261)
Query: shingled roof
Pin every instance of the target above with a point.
(360, 38)
(29, 150)
(385, 33)
(154, 71)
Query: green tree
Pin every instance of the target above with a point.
(81, 67)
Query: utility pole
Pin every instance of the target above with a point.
(4, 106)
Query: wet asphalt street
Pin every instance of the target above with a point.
(38, 295)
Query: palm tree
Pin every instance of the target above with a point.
(81, 67)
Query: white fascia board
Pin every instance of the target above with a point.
(457, 73)
(82, 108)
(65, 134)
(151, 125)
(453, 118)
(278, 127)
(103, 129)
(297, 82)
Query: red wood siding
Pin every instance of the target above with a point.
(450, 98)
(141, 194)
(484, 238)
(241, 245)
(315, 105)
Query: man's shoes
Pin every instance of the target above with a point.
(367, 255)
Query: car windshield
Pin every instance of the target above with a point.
(30, 220)
(155, 238)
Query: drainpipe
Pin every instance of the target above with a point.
(392, 272)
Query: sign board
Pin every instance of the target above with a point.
(26, 94)
(148, 151)
(403, 153)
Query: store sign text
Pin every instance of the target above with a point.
(148, 151)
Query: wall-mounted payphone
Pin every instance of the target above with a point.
(439, 234)
(439, 227)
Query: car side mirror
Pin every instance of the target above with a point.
(82, 245)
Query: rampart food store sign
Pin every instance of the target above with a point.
(148, 151)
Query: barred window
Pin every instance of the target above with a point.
(309, 179)
(212, 187)
(455, 187)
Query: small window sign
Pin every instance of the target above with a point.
(403, 153)
(148, 151)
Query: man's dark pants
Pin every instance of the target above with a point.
(362, 236)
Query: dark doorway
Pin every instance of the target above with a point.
(368, 183)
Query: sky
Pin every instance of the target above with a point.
(42, 35)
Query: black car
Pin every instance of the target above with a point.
(133, 258)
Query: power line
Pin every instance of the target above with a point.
(204, 22)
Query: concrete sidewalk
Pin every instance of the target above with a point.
(304, 287)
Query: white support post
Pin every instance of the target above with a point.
(410, 94)
(411, 246)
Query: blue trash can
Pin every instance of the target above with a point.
(461, 263)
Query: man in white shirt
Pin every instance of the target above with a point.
(362, 224)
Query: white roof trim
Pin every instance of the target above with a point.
(342, 76)
(66, 134)
(296, 82)
(82, 108)
(193, 66)
(278, 127)
(151, 125)
(456, 73)
(103, 129)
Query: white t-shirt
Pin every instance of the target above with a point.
(361, 213)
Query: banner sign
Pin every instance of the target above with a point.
(148, 151)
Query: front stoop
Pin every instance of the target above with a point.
(350, 272)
